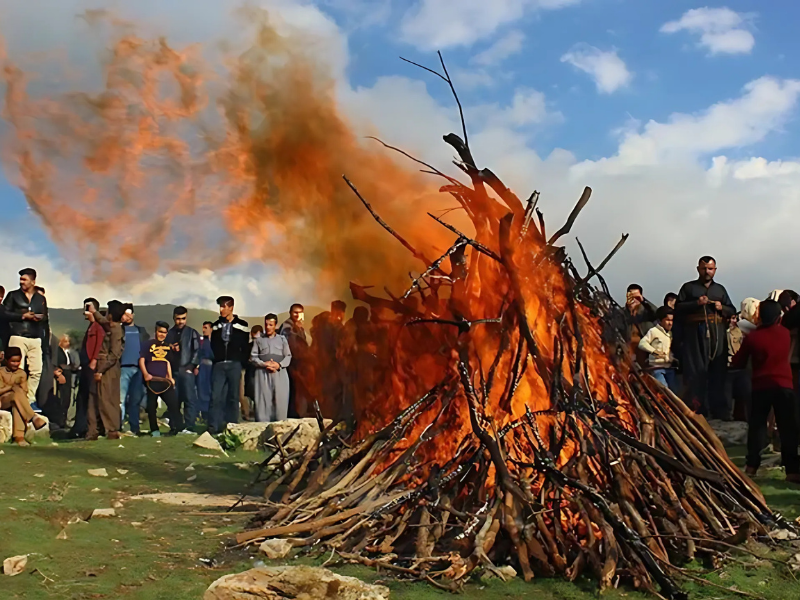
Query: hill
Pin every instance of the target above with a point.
(68, 320)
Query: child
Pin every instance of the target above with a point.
(14, 396)
(157, 372)
(657, 343)
(768, 348)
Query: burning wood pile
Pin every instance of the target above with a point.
(512, 428)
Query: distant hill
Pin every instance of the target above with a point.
(67, 320)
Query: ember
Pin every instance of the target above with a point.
(523, 434)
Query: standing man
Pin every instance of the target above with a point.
(104, 401)
(293, 329)
(640, 317)
(65, 366)
(206, 357)
(29, 309)
(230, 342)
(703, 310)
(90, 350)
(5, 331)
(271, 356)
(185, 360)
(131, 384)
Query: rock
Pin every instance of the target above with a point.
(730, 433)
(62, 535)
(117, 504)
(15, 565)
(281, 583)
(253, 436)
(98, 472)
(5, 426)
(276, 548)
(122, 471)
(103, 512)
(208, 442)
(32, 435)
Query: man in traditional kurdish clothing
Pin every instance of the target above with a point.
(703, 310)
(104, 398)
(271, 356)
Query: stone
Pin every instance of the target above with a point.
(730, 433)
(275, 548)
(5, 426)
(255, 435)
(301, 582)
(98, 472)
(14, 565)
(98, 513)
(208, 442)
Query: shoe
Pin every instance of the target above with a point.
(114, 435)
(42, 423)
(155, 434)
(187, 432)
(35, 408)
(751, 471)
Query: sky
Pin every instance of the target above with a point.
(681, 116)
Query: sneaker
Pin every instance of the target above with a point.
(187, 432)
(35, 408)
(155, 434)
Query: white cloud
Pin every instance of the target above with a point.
(471, 79)
(508, 45)
(439, 24)
(606, 67)
(528, 107)
(721, 30)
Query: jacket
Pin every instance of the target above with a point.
(768, 347)
(657, 339)
(188, 356)
(16, 304)
(92, 340)
(111, 349)
(237, 348)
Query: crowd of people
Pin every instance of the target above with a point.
(725, 363)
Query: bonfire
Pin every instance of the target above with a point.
(510, 426)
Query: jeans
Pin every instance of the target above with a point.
(132, 395)
(665, 377)
(225, 381)
(783, 402)
(204, 389)
(187, 396)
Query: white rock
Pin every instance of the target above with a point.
(208, 442)
(98, 472)
(62, 535)
(32, 435)
(103, 512)
(301, 582)
(5, 426)
(14, 565)
(275, 548)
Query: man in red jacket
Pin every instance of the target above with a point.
(768, 348)
(90, 351)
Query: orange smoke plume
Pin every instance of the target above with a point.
(178, 164)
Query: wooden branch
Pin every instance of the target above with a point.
(475, 244)
(584, 199)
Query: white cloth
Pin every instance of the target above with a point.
(657, 339)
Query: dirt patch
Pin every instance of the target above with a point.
(207, 500)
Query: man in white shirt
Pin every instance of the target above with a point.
(657, 344)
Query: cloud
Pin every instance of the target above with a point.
(440, 24)
(527, 107)
(764, 106)
(721, 30)
(506, 46)
(606, 68)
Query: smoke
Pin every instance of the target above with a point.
(179, 162)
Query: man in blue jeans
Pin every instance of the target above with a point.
(131, 385)
(230, 343)
(185, 360)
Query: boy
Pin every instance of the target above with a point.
(14, 396)
(768, 348)
(157, 372)
(657, 343)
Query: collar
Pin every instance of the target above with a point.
(662, 330)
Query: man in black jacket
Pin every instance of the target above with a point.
(185, 360)
(230, 341)
(27, 312)
(5, 331)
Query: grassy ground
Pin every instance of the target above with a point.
(152, 551)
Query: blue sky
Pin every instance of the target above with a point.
(681, 115)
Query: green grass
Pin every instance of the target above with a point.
(152, 551)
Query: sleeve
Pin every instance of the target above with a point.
(644, 343)
(7, 312)
(254, 353)
(739, 360)
(194, 361)
(46, 312)
(685, 303)
(94, 339)
(114, 350)
(287, 354)
(144, 351)
(102, 320)
(24, 384)
(650, 311)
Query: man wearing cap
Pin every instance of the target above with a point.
(230, 344)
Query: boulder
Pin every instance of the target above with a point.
(730, 433)
(301, 582)
(275, 548)
(5, 426)
(254, 435)
(208, 442)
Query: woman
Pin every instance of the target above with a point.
(271, 357)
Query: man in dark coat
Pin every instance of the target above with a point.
(703, 310)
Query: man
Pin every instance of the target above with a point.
(670, 299)
(131, 384)
(90, 351)
(737, 381)
(47, 380)
(185, 359)
(155, 363)
(230, 341)
(65, 366)
(768, 348)
(271, 357)
(14, 397)
(640, 317)
(29, 311)
(5, 331)
(657, 343)
(293, 329)
(104, 399)
(703, 311)
(206, 357)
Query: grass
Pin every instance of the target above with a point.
(151, 551)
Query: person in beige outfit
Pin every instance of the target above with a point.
(14, 396)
